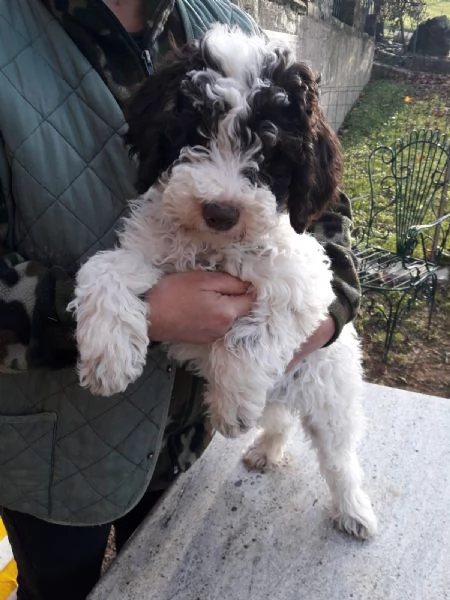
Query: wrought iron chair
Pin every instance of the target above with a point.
(406, 234)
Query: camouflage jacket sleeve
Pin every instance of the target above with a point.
(35, 328)
(333, 230)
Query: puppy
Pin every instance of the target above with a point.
(235, 158)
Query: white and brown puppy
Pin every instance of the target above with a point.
(235, 158)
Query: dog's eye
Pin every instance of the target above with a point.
(251, 174)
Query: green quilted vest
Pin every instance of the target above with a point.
(65, 455)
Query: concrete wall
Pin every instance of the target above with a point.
(278, 15)
(342, 55)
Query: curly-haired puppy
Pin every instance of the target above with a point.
(235, 158)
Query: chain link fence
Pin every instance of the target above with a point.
(337, 101)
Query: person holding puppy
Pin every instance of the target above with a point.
(72, 464)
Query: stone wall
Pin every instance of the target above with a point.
(341, 54)
(278, 15)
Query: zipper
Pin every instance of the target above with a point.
(144, 56)
(147, 60)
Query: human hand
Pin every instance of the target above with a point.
(196, 307)
(318, 339)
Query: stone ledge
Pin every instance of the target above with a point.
(223, 533)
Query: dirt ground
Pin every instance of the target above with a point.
(418, 361)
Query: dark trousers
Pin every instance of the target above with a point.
(62, 562)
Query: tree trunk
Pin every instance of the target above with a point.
(402, 31)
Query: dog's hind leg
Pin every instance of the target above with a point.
(235, 397)
(240, 373)
(267, 450)
(333, 436)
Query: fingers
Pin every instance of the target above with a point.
(225, 284)
(241, 305)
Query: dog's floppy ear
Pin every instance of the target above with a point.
(315, 182)
(161, 122)
(309, 155)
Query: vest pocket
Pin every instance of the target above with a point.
(26, 460)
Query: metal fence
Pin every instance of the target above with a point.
(353, 12)
(337, 101)
(336, 11)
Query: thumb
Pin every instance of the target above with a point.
(225, 284)
(241, 305)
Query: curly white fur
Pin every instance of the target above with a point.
(245, 370)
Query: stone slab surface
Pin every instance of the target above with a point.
(222, 533)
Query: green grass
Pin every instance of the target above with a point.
(381, 116)
(435, 8)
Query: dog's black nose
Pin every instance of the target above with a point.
(221, 217)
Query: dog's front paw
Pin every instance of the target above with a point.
(108, 366)
(105, 377)
(357, 517)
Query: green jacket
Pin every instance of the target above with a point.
(65, 69)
